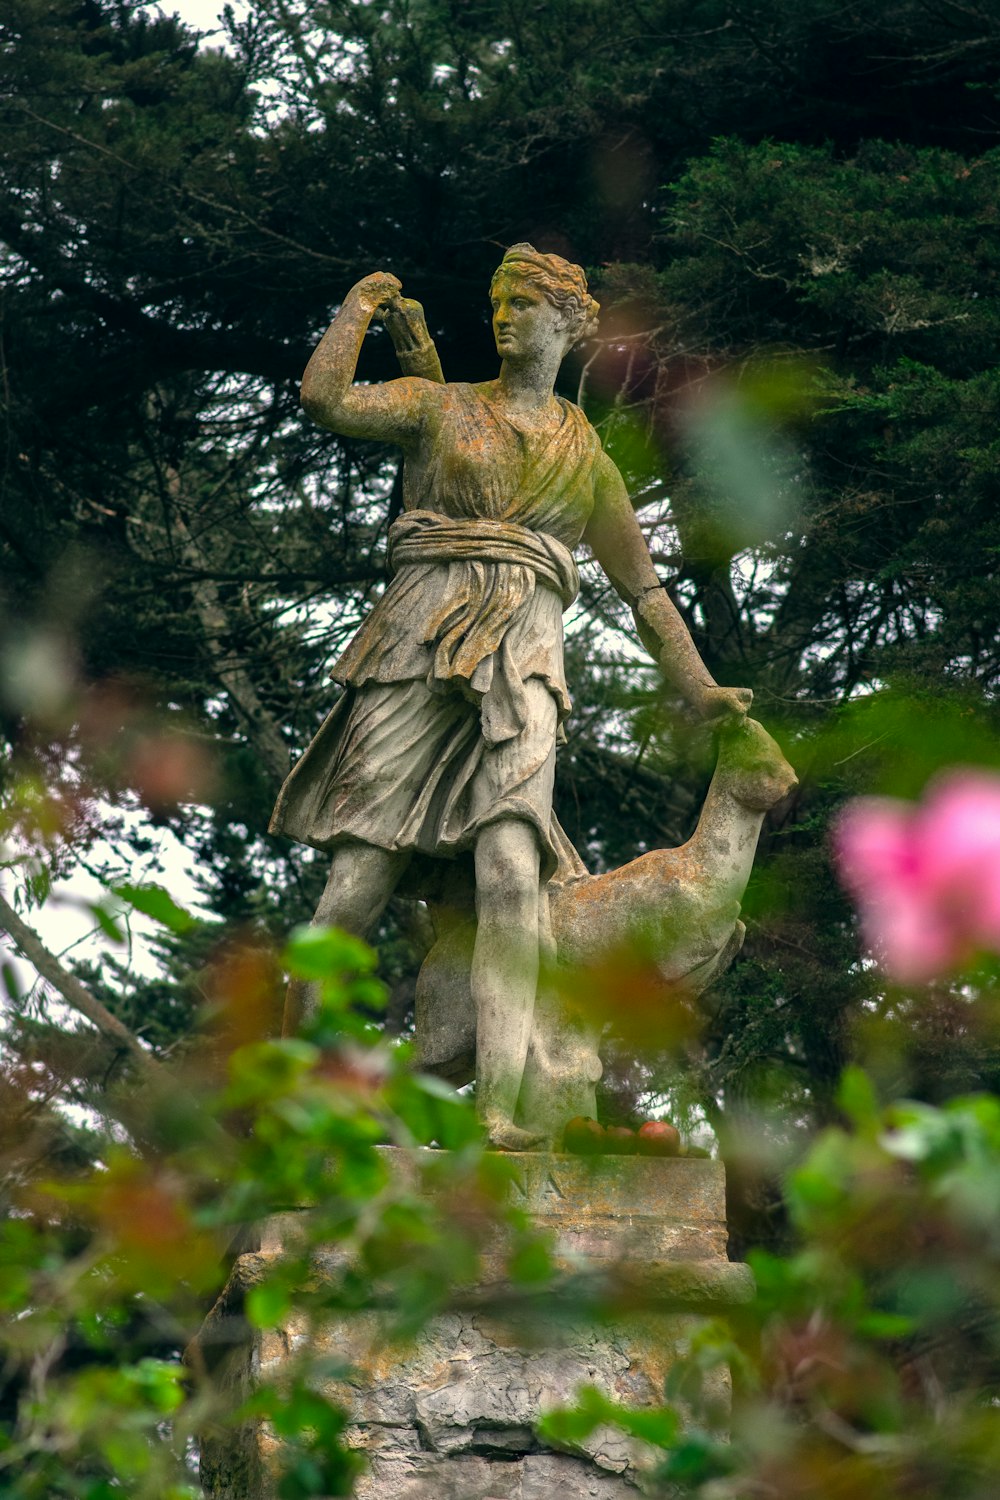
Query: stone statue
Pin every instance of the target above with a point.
(443, 742)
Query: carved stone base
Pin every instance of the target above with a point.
(451, 1416)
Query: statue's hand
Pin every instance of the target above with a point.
(406, 323)
(721, 703)
(376, 290)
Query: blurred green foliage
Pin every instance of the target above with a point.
(869, 1362)
(109, 1271)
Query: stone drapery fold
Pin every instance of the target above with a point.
(428, 536)
(500, 564)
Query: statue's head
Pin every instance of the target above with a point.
(752, 766)
(560, 282)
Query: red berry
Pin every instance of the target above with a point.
(658, 1138)
(584, 1136)
(621, 1141)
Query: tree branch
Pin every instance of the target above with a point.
(261, 727)
(72, 991)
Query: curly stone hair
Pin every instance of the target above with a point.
(563, 283)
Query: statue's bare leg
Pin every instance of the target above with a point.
(361, 880)
(505, 974)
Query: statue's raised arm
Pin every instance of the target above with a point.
(393, 412)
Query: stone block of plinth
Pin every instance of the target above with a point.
(640, 1250)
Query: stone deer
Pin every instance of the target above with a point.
(680, 908)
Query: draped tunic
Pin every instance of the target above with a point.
(455, 689)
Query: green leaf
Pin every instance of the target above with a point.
(39, 885)
(436, 1087)
(314, 952)
(303, 1478)
(659, 1426)
(105, 921)
(163, 1381)
(267, 1304)
(697, 1460)
(434, 1112)
(531, 1262)
(885, 1325)
(305, 1413)
(857, 1098)
(567, 1426)
(153, 901)
(919, 1132)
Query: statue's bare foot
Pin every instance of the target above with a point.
(503, 1135)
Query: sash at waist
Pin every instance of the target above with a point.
(425, 536)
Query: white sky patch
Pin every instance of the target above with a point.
(67, 925)
(203, 15)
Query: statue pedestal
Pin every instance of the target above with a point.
(450, 1416)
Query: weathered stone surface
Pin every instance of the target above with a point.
(605, 1208)
(541, 1476)
(454, 1412)
(598, 1205)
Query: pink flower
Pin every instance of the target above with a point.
(925, 876)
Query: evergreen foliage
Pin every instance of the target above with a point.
(789, 213)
